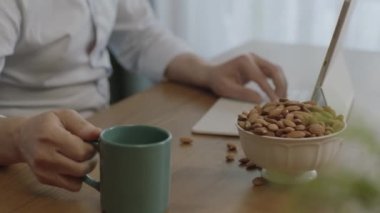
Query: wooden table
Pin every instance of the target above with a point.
(202, 182)
(201, 179)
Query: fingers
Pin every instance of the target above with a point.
(275, 73)
(68, 167)
(77, 125)
(253, 72)
(75, 129)
(72, 146)
(63, 172)
(70, 183)
(244, 94)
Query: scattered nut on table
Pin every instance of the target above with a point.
(243, 161)
(186, 140)
(231, 147)
(252, 166)
(259, 181)
(230, 158)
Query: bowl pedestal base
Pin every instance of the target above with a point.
(281, 178)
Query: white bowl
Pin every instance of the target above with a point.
(289, 160)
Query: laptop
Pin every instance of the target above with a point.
(333, 85)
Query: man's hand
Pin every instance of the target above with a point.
(229, 79)
(53, 144)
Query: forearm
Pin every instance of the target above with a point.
(9, 153)
(189, 69)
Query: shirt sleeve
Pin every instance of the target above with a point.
(139, 43)
(9, 28)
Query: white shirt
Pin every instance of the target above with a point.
(53, 54)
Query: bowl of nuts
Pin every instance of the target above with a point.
(290, 140)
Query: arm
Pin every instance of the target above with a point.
(9, 153)
(139, 43)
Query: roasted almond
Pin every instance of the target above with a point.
(296, 134)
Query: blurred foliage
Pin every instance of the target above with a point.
(343, 190)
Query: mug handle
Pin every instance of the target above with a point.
(87, 179)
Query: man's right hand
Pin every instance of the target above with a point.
(54, 145)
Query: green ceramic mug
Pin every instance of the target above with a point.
(134, 169)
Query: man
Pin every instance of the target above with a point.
(54, 66)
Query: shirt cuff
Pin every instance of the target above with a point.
(155, 61)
